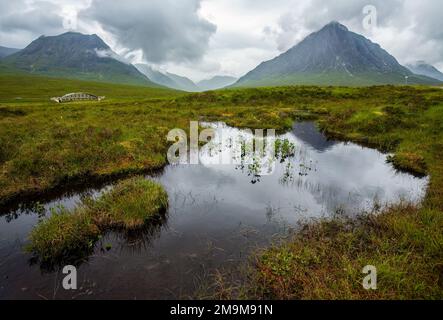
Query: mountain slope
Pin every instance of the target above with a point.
(424, 69)
(183, 83)
(216, 82)
(4, 51)
(332, 56)
(169, 80)
(156, 76)
(76, 56)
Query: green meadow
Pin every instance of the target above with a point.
(45, 145)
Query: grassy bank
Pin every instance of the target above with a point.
(44, 145)
(69, 234)
(325, 260)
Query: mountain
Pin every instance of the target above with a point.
(424, 69)
(167, 79)
(77, 56)
(4, 52)
(156, 76)
(332, 56)
(216, 82)
(174, 81)
(184, 83)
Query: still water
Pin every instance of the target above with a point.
(218, 214)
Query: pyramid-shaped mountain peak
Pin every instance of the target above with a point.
(335, 25)
(334, 55)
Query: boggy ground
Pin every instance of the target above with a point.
(45, 145)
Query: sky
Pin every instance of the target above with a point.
(203, 38)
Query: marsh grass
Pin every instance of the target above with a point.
(284, 149)
(325, 260)
(129, 206)
(64, 235)
(43, 145)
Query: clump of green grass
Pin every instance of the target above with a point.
(130, 205)
(64, 234)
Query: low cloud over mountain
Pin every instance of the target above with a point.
(202, 38)
(165, 30)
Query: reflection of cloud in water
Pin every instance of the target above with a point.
(216, 216)
(322, 177)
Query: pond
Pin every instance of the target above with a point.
(218, 215)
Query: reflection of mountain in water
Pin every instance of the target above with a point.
(308, 133)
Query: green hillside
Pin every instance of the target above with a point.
(24, 87)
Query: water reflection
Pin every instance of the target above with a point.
(136, 241)
(309, 134)
(216, 217)
(322, 177)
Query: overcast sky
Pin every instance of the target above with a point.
(201, 38)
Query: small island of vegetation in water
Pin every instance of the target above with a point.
(129, 206)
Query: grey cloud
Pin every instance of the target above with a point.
(111, 54)
(320, 12)
(41, 17)
(293, 26)
(172, 33)
(402, 25)
(21, 21)
(165, 30)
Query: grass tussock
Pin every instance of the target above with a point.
(64, 234)
(129, 205)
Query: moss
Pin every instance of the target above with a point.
(130, 205)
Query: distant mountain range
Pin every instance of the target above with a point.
(77, 56)
(4, 52)
(216, 82)
(422, 68)
(332, 56)
(183, 83)
(87, 57)
(167, 79)
(174, 81)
